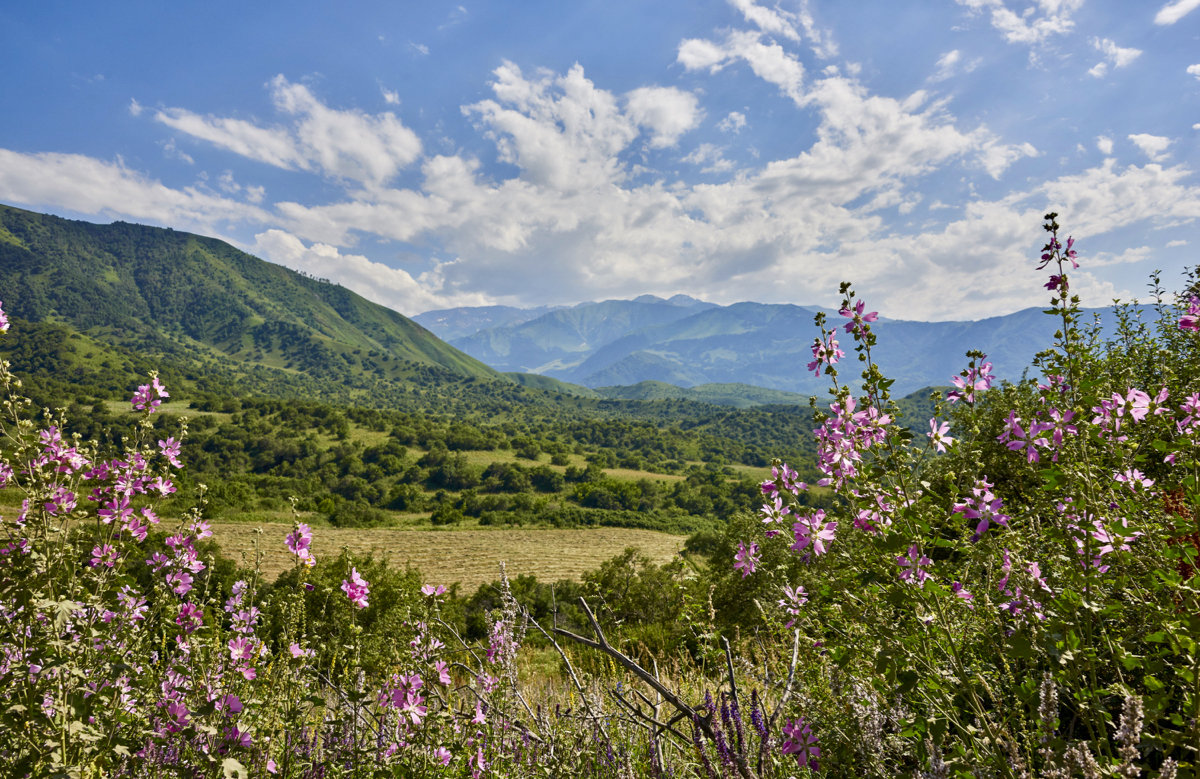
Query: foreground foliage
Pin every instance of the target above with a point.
(1008, 593)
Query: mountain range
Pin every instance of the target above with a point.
(689, 343)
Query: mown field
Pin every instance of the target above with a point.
(469, 557)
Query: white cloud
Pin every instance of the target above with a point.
(420, 48)
(710, 157)
(1176, 244)
(90, 186)
(1126, 257)
(1104, 144)
(946, 65)
(1194, 70)
(768, 61)
(772, 21)
(1115, 56)
(346, 145)
(667, 112)
(1153, 146)
(391, 97)
(996, 157)
(377, 282)
(735, 122)
(135, 108)
(1034, 25)
(1173, 12)
(822, 41)
(274, 146)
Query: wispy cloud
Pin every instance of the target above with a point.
(1114, 55)
(1173, 12)
(1153, 146)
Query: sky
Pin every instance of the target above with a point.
(539, 152)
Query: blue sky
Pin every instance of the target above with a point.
(437, 154)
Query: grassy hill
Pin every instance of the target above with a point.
(173, 293)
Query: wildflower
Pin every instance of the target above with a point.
(913, 566)
(190, 617)
(297, 652)
(170, 450)
(149, 396)
(746, 560)
(431, 591)
(105, 555)
(859, 320)
(356, 589)
(799, 740)
(984, 507)
(442, 755)
(792, 601)
(937, 435)
(825, 353)
(443, 672)
(962, 592)
(809, 530)
(299, 541)
(1189, 321)
(3, 321)
(971, 380)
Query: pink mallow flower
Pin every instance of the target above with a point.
(813, 530)
(799, 740)
(356, 589)
(937, 435)
(746, 560)
(3, 321)
(912, 566)
(1189, 321)
(299, 542)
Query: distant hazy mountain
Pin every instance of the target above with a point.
(451, 323)
(687, 343)
(557, 341)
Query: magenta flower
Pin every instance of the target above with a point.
(792, 601)
(1189, 321)
(299, 541)
(825, 352)
(105, 555)
(170, 450)
(813, 530)
(190, 617)
(937, 435)
(3, 321)
(799, 740)
(149, 396)
(913, 566)
(356, 589)
(859, 320)
(432, 591)
(984, 507)
(962, 592)
(746, 560)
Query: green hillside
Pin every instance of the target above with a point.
(160, 291)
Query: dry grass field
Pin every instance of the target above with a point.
(470, 557)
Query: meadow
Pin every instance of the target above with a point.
(1007, 588)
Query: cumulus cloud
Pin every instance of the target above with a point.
(90, 186)
(1173, 12)
(710, 157)
(348, 145)
(665, 111)
(774, 21)
(734, 122)
(767, 59)
(1104, 144)
(1034, 25)
(1153, 146)
(1194, 70)
(1114, 55)
(377, 282)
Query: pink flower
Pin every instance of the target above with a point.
(962, 592)
(858, 325)
(799, 740)
(792, 601)
(299, 541)
(809, 530)
(937, 435)
(356, 589)
(105, 555)
(825, 352)
(3, 321)
(1189, 321)
(190, 617)
(430, 590)
(913, 566)
(149, 396)
(746, 560)
(443, 672)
